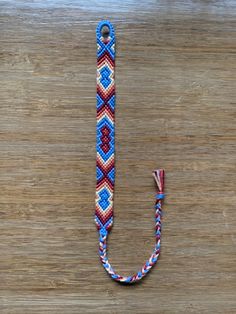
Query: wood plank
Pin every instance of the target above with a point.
(175, 77)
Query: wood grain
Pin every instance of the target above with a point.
(175, 75)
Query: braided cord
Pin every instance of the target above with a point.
(105, 160)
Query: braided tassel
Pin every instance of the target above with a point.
(159, 178)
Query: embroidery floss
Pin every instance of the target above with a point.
(105, 159)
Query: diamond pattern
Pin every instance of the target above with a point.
(105, 77)
(105, 139)
(104, 199)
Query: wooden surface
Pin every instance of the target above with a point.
(176, 71)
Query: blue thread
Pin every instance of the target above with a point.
(128, 279)
(104, 199)
(160, 196)
(109, 47)
(154, 259)
(103, 23)
(158, 233)
(158, 206)
(103, 233)
(105, 79)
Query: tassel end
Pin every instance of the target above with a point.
(159, 178)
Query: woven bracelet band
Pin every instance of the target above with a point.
(105, 158)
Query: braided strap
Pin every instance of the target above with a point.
(159, 176)
(105, 160)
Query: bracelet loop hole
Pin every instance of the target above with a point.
(105, 31)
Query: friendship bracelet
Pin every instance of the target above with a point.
(105, 158)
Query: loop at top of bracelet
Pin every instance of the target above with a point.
(105, 31)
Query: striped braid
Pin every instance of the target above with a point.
(105, 160)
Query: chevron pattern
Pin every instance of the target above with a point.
(105, 141)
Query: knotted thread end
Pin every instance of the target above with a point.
(158, 175)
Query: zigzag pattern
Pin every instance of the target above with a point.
(105, 141)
